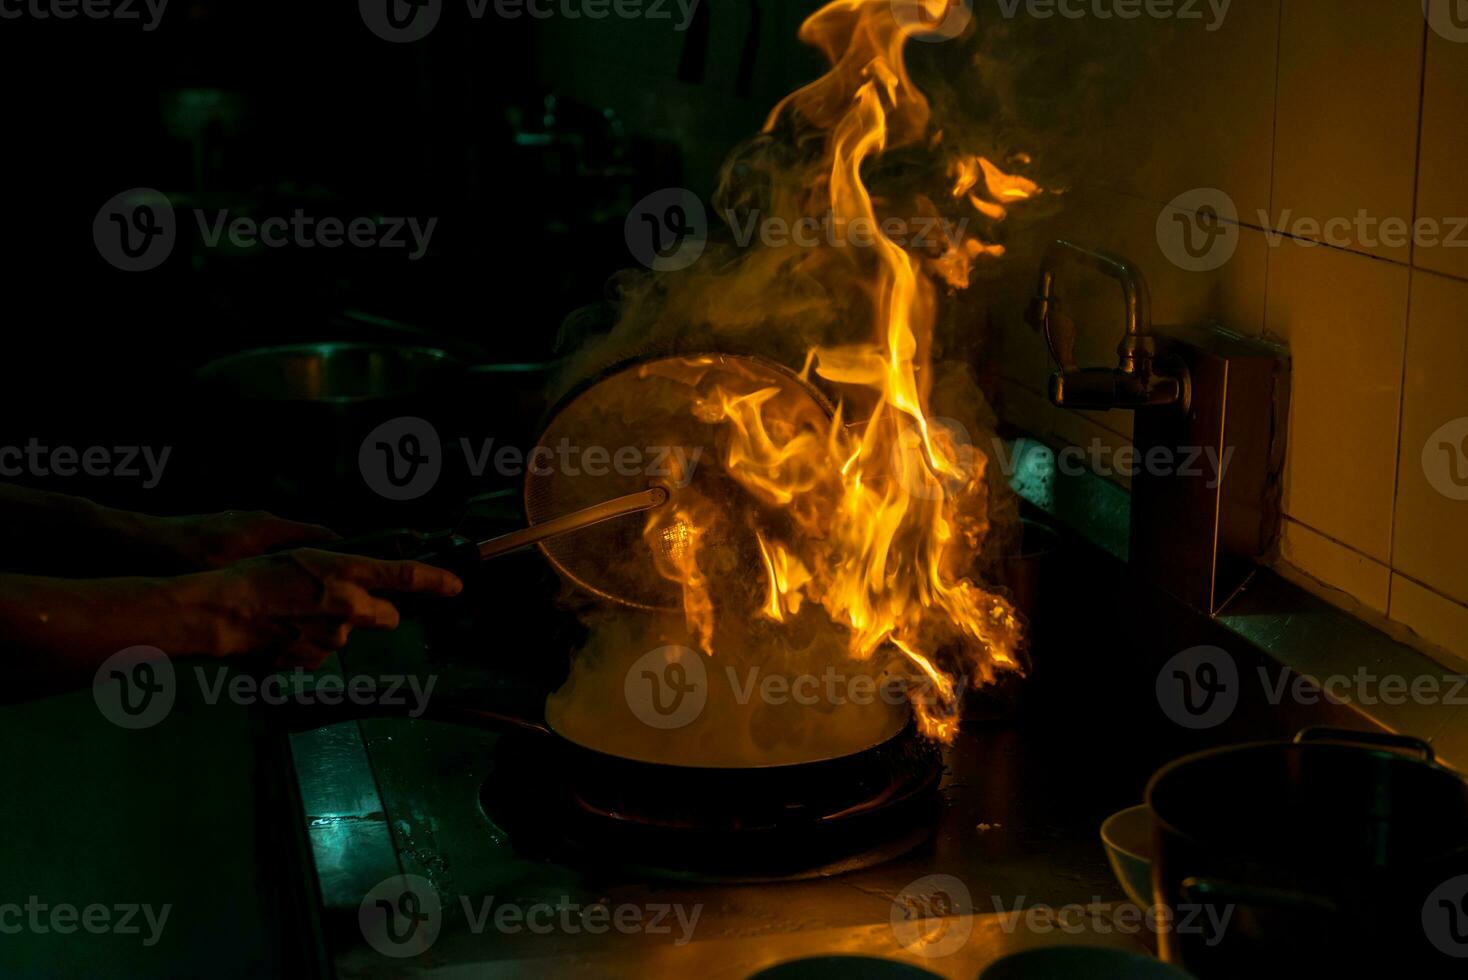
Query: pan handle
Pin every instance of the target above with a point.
(1205, 892)
(1384, 739)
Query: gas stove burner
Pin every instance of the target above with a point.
(677, 829)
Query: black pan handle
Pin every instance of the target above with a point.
(1388, 740)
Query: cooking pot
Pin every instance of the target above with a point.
(289, 423)
(1325, 855)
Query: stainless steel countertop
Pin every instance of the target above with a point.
(1023, 800)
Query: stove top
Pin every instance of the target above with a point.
(1004, 819)
(881, 810)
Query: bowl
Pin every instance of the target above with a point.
(1127, 836)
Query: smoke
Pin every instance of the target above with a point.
(783, 299)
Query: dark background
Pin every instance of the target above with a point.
(527, 139)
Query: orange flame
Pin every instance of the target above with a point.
(884, 514)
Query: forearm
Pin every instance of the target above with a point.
(41, 531)
(54, 633)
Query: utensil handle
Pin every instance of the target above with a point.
(632, 503)
(1384, 739)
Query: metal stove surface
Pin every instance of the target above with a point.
(1021, 802)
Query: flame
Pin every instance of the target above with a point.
(880, 512)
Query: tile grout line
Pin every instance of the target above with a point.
(1407, 326)
(1273, 161)
(1375, 561)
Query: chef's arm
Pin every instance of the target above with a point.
(59, 534)
(296, 606)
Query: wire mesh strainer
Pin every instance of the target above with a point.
(657, 422)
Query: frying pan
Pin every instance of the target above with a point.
(615, 408)
(665, 794)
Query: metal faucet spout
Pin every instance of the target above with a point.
(1137, 381)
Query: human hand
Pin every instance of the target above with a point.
(302, 605)
(208, 541)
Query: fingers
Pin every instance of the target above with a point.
(375, 614)
(279, 532)
(407, 577)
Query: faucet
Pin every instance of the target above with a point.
(1141, 379)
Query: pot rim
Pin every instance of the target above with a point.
(1160, 823)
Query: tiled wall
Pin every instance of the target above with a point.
(1307, 109)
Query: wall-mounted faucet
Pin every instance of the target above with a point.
(1204, 394)
(1140, 378)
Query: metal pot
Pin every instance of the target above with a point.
(291, 420)
(1324, 855)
